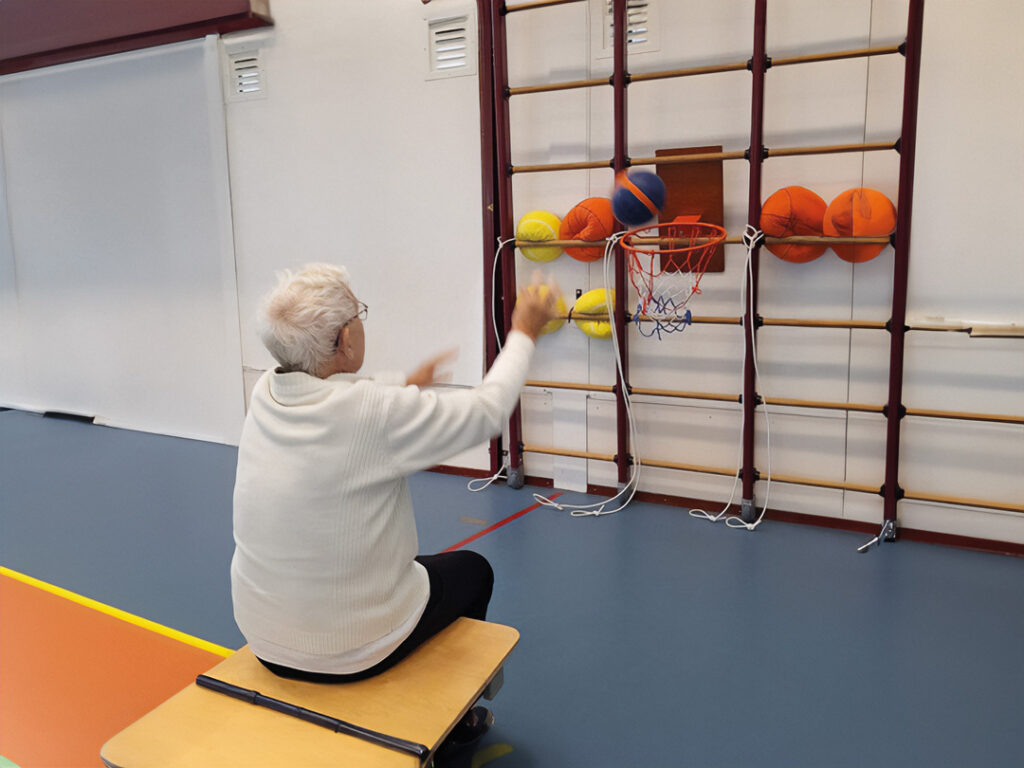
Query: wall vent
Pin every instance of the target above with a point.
(452, 47)
(641, 27)
(245, 76)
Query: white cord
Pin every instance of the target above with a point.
(704, 515)
(475, 486)
(751, 238)
(629, 489)
(494, 288)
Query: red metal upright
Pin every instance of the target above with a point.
(758, 66)
(506, 223)
(489, 190)
(620, 79)
(891, 491)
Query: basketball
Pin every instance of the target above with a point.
(539, 225)
(594, 303)
(638, 197)
(591, 219)
(860, 212)
(792, 212)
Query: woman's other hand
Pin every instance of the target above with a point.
(429, 372)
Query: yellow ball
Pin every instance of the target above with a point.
(539, 225)
(558, 322)
(594, 303)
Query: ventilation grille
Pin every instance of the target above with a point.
(245, 76)
(452, 47)
(641, 26)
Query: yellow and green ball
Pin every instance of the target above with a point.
(595, 305)
(539, 226)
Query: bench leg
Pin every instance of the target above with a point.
(495, 684)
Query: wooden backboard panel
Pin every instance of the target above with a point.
(694, 188)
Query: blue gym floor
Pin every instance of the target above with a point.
(648, 638)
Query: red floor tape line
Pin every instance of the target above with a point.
(497, 525)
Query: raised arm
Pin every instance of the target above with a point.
(425, 427)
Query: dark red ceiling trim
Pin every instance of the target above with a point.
(106, 47)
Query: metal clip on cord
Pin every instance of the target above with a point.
(886, 534)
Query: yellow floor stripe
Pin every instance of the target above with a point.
(117, 613)
(489, 754)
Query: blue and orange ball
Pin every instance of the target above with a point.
(639, 197)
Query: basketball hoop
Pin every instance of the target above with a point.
(666, 263)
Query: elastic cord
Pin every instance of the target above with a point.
(475, 486)
(752, 238)
(598, 509)
(494, 288)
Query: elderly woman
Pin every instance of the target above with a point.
(325, 579)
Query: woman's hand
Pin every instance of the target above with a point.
(428, 373)
(535, 307)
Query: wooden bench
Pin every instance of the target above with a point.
(418, 700)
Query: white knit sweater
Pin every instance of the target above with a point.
(323, 577)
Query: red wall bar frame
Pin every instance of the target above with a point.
(891, 490)
(489, 196)
(506, 225)
(620, 79)
(758, 66)
(756, 154)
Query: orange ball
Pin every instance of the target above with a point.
(790, 212)
(859, 212)
(591, 219)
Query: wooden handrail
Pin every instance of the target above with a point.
(706, 69)
(997, 418)
(836, 55)
(829, 149)
(536, 4)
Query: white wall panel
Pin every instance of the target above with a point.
(117, 192)
(13, 381)
(354, 157)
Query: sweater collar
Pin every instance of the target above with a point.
(298, 388)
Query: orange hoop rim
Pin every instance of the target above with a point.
(709, 235)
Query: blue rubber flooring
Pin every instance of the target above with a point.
(648, 638)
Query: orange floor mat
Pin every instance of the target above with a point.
(71, 676)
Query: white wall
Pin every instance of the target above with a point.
(355, 157)
(117, 291)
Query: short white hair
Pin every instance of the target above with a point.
(304, 314)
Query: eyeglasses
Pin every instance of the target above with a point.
(361, 314)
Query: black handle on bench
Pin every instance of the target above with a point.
(317, 718)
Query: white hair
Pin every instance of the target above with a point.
(304, 314)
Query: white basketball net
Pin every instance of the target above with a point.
(666, 263)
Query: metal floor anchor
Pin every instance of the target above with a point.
(888, 533)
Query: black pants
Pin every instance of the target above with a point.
(460, 585)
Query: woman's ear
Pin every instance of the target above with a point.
(345, 342)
